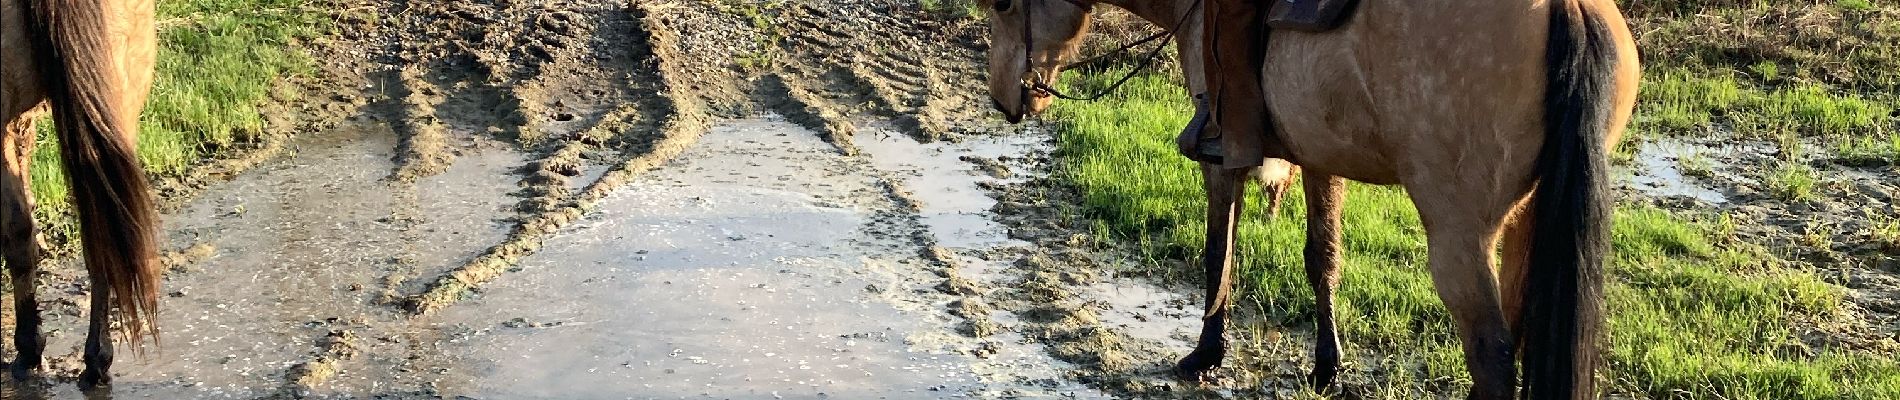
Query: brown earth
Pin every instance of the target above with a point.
(504, 198)
(454, 188)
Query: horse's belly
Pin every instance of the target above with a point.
(1413, 90)
(1329, 127)
(1325, 141)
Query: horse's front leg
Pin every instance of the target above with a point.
(21, 245)
(1325, 196)
(1224, 203)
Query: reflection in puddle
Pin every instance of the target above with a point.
(1658, 170)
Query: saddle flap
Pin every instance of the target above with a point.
(1310, 15)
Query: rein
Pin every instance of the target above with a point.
(1035, 83)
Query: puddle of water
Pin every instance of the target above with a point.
(1657, 171)
(957, 210)
(729, 272)
(954, 207)
(301, 244)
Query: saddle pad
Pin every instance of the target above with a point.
(1309, 15)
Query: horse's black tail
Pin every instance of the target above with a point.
(117, 222)
(1563, 293)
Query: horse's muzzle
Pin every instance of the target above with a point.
(1008, 115)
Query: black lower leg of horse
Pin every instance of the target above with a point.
(29, 343)
(22, 257)
(98, 337)
(1324, 196)
(1224, 204)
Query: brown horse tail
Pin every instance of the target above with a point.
(1563, 293)
(117, 221)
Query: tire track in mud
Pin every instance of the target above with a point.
(806, 85)
(1033, 293)
(684, 118)
(844, 54)
(693, 91)
(815, 92)
(450, 100)
(1052, 294)
(801, 87)
(565, 103)
(624, 130)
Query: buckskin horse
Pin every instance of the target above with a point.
(1495, 116)
(91, 62)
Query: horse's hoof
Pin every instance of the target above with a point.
(91, 379)
(1197, 364)
(20, 371)
(1322, 377)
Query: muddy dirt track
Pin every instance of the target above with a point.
(666, 199)
(512, 199)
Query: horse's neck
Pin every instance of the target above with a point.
(1165, 13)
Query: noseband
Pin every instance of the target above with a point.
(1033, 82)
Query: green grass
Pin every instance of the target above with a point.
(1681, 101)
(1677, 100)
(1792, 181)
(1886, 233)
(1828, 70)
(217, 62)
(952, 9)
(1868, 150)
(1696, 165)
(763, 18)
(1693, 313)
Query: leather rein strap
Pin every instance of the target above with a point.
(1035, 83)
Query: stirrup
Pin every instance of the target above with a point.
(1191, 143)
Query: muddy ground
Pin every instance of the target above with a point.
(670, 199)
(1843, 233)
(562, 199)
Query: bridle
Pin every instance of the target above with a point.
(1033, 81)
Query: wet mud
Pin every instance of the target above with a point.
(685, 198)
(706, 279)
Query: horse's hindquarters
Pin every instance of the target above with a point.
(135, 45)
(138, 53)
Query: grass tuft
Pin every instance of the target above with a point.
(1792, 181)
(952, 9)
(1869, 150)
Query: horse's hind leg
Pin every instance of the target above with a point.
(21, 242)
(1516, 244)
(98, 336)
(1325, 197)
(1461, 228)
(1224, 203)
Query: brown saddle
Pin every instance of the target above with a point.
(1309, 15)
